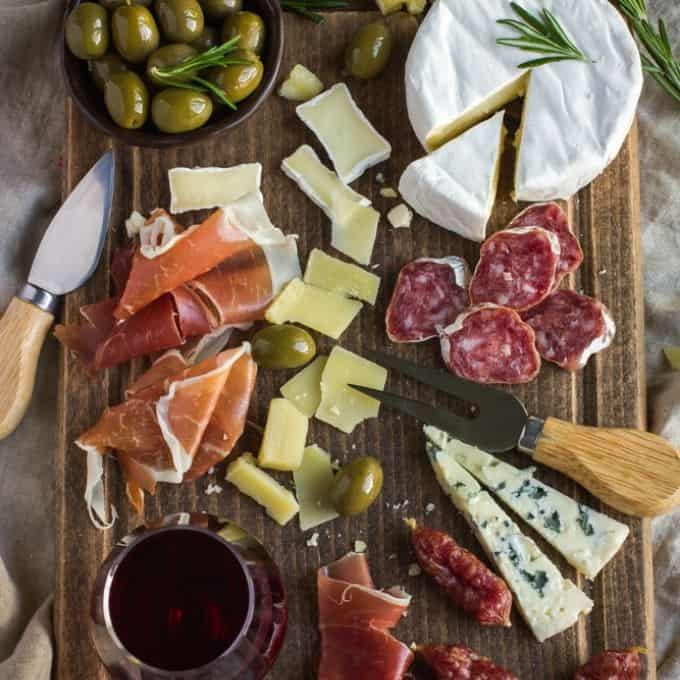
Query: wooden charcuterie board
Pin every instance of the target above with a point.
(610, 391)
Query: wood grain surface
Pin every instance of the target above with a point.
(609, 392)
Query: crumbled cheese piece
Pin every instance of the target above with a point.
(400, 216)
(300, 85)
(212, 488)
(389, 192)
(134, 223)
(602, 272)
(414, 569)
(313, 540)
(380, 178)
(211, 471)
(360, 546)
(429, 508)
(389, 6)
(392, 556)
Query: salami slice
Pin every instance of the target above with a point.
(491, 344)
(570, 328)
(552, 217)
(517, 268)
(429, 294)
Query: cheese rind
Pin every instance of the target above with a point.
(548, 602)
(285, 432)
(352, 143)
(329, 273)
(303, 390)
(313, 480)
(455, 186)
(586, 538)
(254, 482)
(321, 310)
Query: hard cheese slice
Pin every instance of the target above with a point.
(342, 406)
(321, 310)
(548, 602)
(455, 186)
(250, 480)
(352, 143)
(284, 437)
(203, 188)
(587, 538)
(340, 277)
(313, 480)
(303, 390)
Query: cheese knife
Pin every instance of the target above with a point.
(636, 472)
(67, 256)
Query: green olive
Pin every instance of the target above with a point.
(87, 31)
(176, 110)
(115, 4)
(127, 99)
(135, 33)
(169, 55)
(218, 9)
(283, 346)
(240, 80)
(249, 26)
(369, 50)
(209, 38)
(356, 486)
(181, 20)
(103, 68)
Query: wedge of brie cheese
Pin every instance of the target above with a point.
(576, 114)
(455, 186)
(352, 143)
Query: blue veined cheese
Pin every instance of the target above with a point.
(548, 602)
(588, 539)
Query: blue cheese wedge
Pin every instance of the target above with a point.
(548, 602)
(587, 538)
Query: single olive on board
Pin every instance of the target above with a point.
(135, 33)
(127, 99)
(249, 26)
(169, 55)
(115, 4)
(103, 68)
(218, 9)
(87, 31)
(284, 346)
(176, 110)
(369, 50)
(356, 486)
(239, 80)
(180, 20)
(208, 38)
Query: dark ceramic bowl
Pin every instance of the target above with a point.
(90, 100)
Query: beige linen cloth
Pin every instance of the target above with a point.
(31, 125)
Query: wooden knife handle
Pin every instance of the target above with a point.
(23, 328)
(636, 472)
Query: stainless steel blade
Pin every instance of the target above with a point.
(72, 245)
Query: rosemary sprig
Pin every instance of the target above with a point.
(310, 8)
(541, 34)
(659, 61)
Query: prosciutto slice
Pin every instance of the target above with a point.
(355, 619)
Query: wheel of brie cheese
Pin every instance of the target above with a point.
(576, 114)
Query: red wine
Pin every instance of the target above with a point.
(179, 599)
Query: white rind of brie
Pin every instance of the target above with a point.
(455, 186)
(576, 114)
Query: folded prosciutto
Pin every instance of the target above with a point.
(177, 421)
(355, 619)
(178, 284)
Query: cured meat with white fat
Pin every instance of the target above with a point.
(429, 294)
(570, 328)
(552, 217)
(354, 620)
(491, 344)
(517, 268)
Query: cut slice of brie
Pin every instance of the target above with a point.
(455, 186)
(352, 143)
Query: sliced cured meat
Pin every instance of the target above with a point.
(168, 364)
(552, 217)
(194, 316)
(353, 568)
(491, 344)
(570, 328)
(429, 294)
(517, 268)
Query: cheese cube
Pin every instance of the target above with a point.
(344, 407)
(250, 480)
(284, 437)
(321, 310)
(340, 277)
(354, 230)
(303, 390)
(313, 480)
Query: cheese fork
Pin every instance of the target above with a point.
(636, 472)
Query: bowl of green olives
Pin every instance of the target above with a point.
(164, 73)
